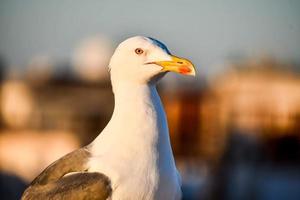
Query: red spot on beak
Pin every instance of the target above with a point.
(184, 70)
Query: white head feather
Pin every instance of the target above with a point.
(129, 66)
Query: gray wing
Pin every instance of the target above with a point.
(52, 184)
(79, 186)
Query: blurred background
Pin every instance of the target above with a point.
(235, 128)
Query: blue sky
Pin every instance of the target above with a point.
(207, 31)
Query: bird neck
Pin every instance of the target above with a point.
(138, 122)
(139, 106)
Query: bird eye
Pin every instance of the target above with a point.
(139, 51)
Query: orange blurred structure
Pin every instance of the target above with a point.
(260, 98)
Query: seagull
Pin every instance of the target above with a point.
(132, 158)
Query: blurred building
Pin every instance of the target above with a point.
(255, 97)
(51, 109)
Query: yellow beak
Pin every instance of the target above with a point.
(179, 65)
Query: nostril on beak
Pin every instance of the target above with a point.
(179, 62)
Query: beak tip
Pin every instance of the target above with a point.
(193, 73)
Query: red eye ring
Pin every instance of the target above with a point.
(139, 51)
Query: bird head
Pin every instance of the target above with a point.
(145, 60)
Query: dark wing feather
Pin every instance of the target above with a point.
(79, 186)
(72, 162)
(52, 184)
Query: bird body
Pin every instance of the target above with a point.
(149, 171)
(132, 158)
